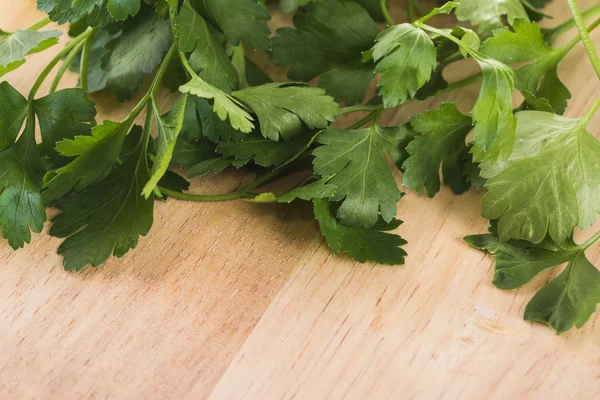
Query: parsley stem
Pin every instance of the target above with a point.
(64, 52)
(65, 66)
(85, 56)
(160, 74)
(362, 122)
(410, 11)
(585, 36)
(591, 240)
(205, 198)
(386, 13)
(358, 108)
(567, 25)
(39, 25)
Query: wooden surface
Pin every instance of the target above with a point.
(235, 300)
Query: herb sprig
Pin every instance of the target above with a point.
(539, 170)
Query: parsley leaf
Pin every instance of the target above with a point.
(21, 173)
(538, 78)
(406, 57)
(487, 14)
(283, 108)
(63, 115)
(360, 243)
(63, 11)
(264, 152)
(208, 57)
(15, 46)
(238, 20)
(136, 52)
(365, 183)
(330, 39)
(14, 112)
(224, 105)
(549, 184)
(95, 157)
(169, 127)
(567, 300)
(122, 9)
(106, 218)
(570, 299)
(445, 144)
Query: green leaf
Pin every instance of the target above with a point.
(519, 261)
(487, 14)
(189, 152)
(539, 77)
(224, 105)
(122, 9)
(63, 11)
(239, 20)
(264, 152)
(14, 112)
(332, 36)
(360, 243)
(95, 157)
(335, 83)
(445, 145)
(14, 47)
(106, 218)
(283, 108)
(365, 183)
(211, 165)
(570, 299)
(492, 114)
(134, 53)
(169, 127)
(63, 115)
(319, 189)
(549, 184)
(21, 207)
(208, 57)
(405, 57)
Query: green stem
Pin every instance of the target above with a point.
(39, 24)
(362, 122)
(591, 240)
(585, 120)
(386, 12)
(85, 56)
(160, 74)
(463, 82)
(208, 198)
(410, 12)
(567, 25)
(65, 66)
(63, 53)
(358, 108)
(585, 36)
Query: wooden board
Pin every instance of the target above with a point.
(236, 300)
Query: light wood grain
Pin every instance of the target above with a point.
(248, 299)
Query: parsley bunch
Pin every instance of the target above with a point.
(540, 170)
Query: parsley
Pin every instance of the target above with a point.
(538, 170)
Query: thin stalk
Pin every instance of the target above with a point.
(591, 113)
(162, 70)
(63, 53)
(208, 198)
(567, 25)
(65, 66)
(463, 82)
(358, 108)
(591, 240)
(39, 25)
(85, 57)
(362, 122)
(585, 36)
(386, 12)
(410, 11)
